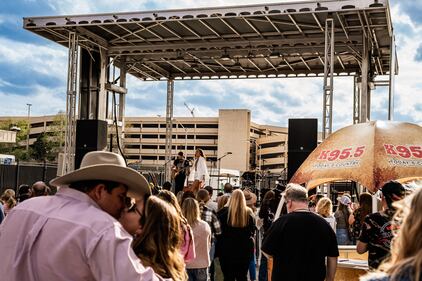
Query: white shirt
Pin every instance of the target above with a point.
(66, 237)
(332, 221)
(200, 169)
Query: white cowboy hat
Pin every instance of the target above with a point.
(109, 166)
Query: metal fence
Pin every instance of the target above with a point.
(11, 176)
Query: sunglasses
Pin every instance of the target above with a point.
(132, 208)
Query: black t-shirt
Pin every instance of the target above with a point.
(182, 166)
(299, 243)
(377, 233)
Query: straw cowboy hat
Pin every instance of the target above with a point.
(109, 166)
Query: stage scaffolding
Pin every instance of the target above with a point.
(324, 39)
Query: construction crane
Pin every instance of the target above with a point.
(191, 110)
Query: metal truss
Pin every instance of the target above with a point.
(190, 44)
(327, 121)
(71, 101)
(169, 128)
(356, 99)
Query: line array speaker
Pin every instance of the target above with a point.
(302, 140)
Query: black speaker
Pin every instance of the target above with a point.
(302, 140)
(91, 135)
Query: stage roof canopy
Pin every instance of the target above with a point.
(265, 40)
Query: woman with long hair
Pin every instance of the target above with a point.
(342, 220)
(405, 263)
(235, 245)
(324, 208)
(197, 268)
(358, 215)
(187, 248)
(200, 171)
(158, 244)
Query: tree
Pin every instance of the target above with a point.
(18, 149)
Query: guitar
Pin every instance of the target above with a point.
(175, 171)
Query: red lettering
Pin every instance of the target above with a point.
(359, 151)
(345, 153)
(323, 155)
(333, 155)
(403, 151)
(416, 151)
(389, 149)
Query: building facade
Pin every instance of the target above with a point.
(229, 141)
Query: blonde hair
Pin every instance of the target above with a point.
(158, 246)
(190, 210)
(406, 247)
(238, 213)
(324, 207)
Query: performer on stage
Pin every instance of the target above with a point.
(180, 170)
(200, 170)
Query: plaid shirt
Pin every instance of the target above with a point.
(210, 217)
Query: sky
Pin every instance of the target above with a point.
(33, 70)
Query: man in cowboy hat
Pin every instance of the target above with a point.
(74, 235)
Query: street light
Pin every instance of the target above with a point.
(219, 164)
(29, 126)
(186, 137)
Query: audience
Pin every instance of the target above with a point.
(405, 262)
(376, 234)
(235, 245)
(158, 243)
(24, 192)
(198, 267)
(358, 215)
(324, 208)
(342, 220)
(8, 200)
(187, 248)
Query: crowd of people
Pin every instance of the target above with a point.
(105, 223)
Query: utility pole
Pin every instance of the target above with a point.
(219, 166)
(29, 126)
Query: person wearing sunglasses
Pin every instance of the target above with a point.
(75, 234)
(133, 217)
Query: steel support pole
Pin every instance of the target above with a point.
(356, 99)
(327, 122)
(169, 127)
(29, 127)
(391, 84)
(71, 101)
(365, 104)
(102, 96)
(122, 102)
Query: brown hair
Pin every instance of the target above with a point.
(365, 205)
(158, 246)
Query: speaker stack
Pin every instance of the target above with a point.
(91, 135)
(302, 140)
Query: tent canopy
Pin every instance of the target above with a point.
(254, 41)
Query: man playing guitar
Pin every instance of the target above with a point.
(180, 170)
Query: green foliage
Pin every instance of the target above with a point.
(46, 147)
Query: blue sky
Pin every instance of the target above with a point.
(33, 70)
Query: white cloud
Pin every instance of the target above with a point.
(45, 101)
(49, 60)
(270, 100)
